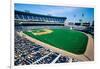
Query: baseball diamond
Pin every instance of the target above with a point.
(45, 36)
(65, 39)
(41, 31)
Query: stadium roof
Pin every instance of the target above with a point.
(16, 11)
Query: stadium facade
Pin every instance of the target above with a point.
(27, 20)
(27, 16)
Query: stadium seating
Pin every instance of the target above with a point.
(27, 53)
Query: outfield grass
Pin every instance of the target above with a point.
(65, 39)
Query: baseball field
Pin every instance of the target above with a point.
(65, 39)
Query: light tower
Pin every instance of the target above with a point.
(81, 20)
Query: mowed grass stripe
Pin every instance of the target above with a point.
(68, 40)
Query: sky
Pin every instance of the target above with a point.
(73, 14)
